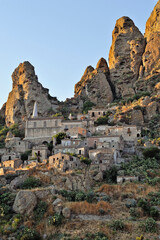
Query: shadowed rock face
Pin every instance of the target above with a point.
(94, 85)
(125, 56)
(25, 91)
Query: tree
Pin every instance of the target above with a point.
(59, 137)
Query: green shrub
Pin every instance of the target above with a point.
(154, 212)
(80, 196)
(110, 175)
(87, 106)
(90, 197)
(133, 212)
(28, 234)
(104, 119)
(55, 220)
(143, 203)
(152, 152)
(96, 236)
(30, 183)
(16, 131)
(59, 137)
(40, 210)
(24, 156)
(117, 225)
(149, 225)
(154, 198)
(85, 160)
(6, 203)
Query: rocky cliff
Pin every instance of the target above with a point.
(94, 85)
(134, 67)
(25, 91)
(150, 68)
(125, 56)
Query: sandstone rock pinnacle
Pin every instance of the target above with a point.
(25, 91)
(125, 56)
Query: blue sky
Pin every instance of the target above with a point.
(60, 38)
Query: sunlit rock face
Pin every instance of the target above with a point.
(94, 85)
(125, 56)
(25, 91)
(150, 68)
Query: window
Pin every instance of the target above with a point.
(129, 131)
(63, 157)
(9, 158)
(138, 135)
(19, 143)
(80, 152)
(92, 114)
(103, 113)
(99, 113)
(44, 124)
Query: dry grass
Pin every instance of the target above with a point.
(89, 208)
(137, 190)
(41, 227)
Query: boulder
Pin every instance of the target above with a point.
(57, 201)
(137, 117)
(25, 202)
(151, 109)
(145, 101)
(66, 212)
(99, 177)
(42, 194)
(130, 203)
(15, 183)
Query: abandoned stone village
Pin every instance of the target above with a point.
(104, 145)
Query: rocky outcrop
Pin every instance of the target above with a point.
(125, 56)
(25, 91)
(150, 69)
(94, 85)
(25, 202)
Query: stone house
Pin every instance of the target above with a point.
(9, 156)
(40, 152)
(80, 149)
(105, 157)
(129, 133)
(64, 162)
(13, 164)
(69, 142)
(122, 179)
(17, 145)
(94, 114)
(100, 142)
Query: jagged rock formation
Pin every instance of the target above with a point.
(125, 56)
(94, 85)
(150, 69)
(25, 91)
